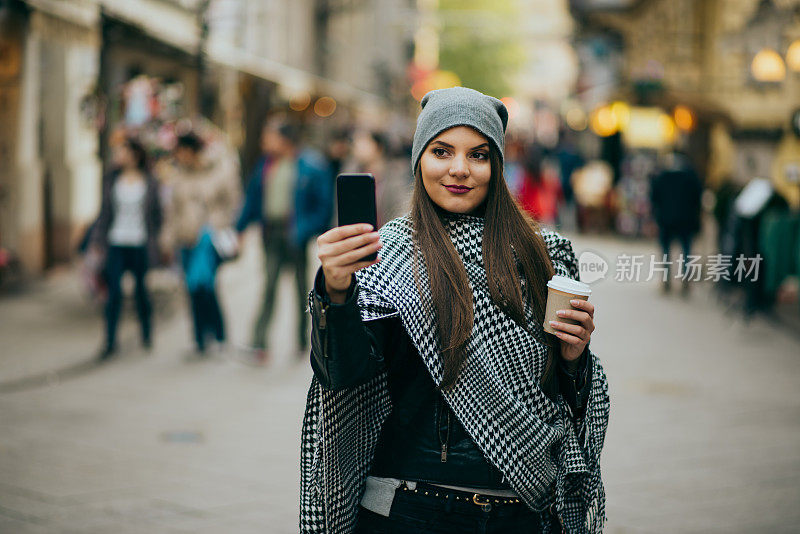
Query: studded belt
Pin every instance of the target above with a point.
(485, 502)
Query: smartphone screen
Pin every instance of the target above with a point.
(355, 199)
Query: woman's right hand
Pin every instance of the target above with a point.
(340, 250)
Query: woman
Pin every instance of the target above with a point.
(127, 230)
(203, 196)
(438, 404)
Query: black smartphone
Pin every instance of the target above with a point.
(355, 199)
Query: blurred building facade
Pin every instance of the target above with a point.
(73, 72)
(703, 57)
(49, 166)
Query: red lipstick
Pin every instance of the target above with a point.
(458, 189)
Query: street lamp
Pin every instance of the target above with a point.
(793, 56)
(762, 38)
(768, 66)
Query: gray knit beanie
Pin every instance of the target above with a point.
(459, 106)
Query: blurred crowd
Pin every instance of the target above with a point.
(176, 197)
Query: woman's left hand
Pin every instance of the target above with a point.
(575, 337)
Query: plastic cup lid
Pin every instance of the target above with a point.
(568, 285)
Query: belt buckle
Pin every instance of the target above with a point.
(485, 506)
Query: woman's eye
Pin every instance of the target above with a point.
(480, 155)
(439, 152)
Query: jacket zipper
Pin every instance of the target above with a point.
(439, 430)
(323, 325)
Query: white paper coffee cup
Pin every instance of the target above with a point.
(560, 290)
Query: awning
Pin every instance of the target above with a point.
(295, 79)
(80, 13)
(164, 21)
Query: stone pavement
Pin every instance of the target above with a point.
(52, 327)
(704, 433)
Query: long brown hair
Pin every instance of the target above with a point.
(510, 236)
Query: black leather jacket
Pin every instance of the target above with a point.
(421, 440)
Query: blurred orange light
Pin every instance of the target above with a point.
(622, 114)
(684, 118)
(768, 66)
(300, 101)
(603, 122)
(325, 106)
(438, 79)
(511, 105)
(668, 130)
(793, 56)
(419, 89)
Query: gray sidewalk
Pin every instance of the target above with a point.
(52, 328)
(704, 433)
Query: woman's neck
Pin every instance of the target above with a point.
(479, 212)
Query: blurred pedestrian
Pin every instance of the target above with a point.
(540, 194)
(204, 194)
(514, 169)
(675, 197)
(126, 231)
(438, 403)
(724, 214)
(290, 193)
(370, 155)
(569, 160)
(338, 150)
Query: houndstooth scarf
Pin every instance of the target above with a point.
(497, 397)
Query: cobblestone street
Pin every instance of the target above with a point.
(704, 433)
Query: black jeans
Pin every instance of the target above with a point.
(666, 236)
(280, 252)
(419, 514)
(207, 316)
(118, 261)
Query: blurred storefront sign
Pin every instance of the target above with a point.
(649, 128)
(641, 127)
